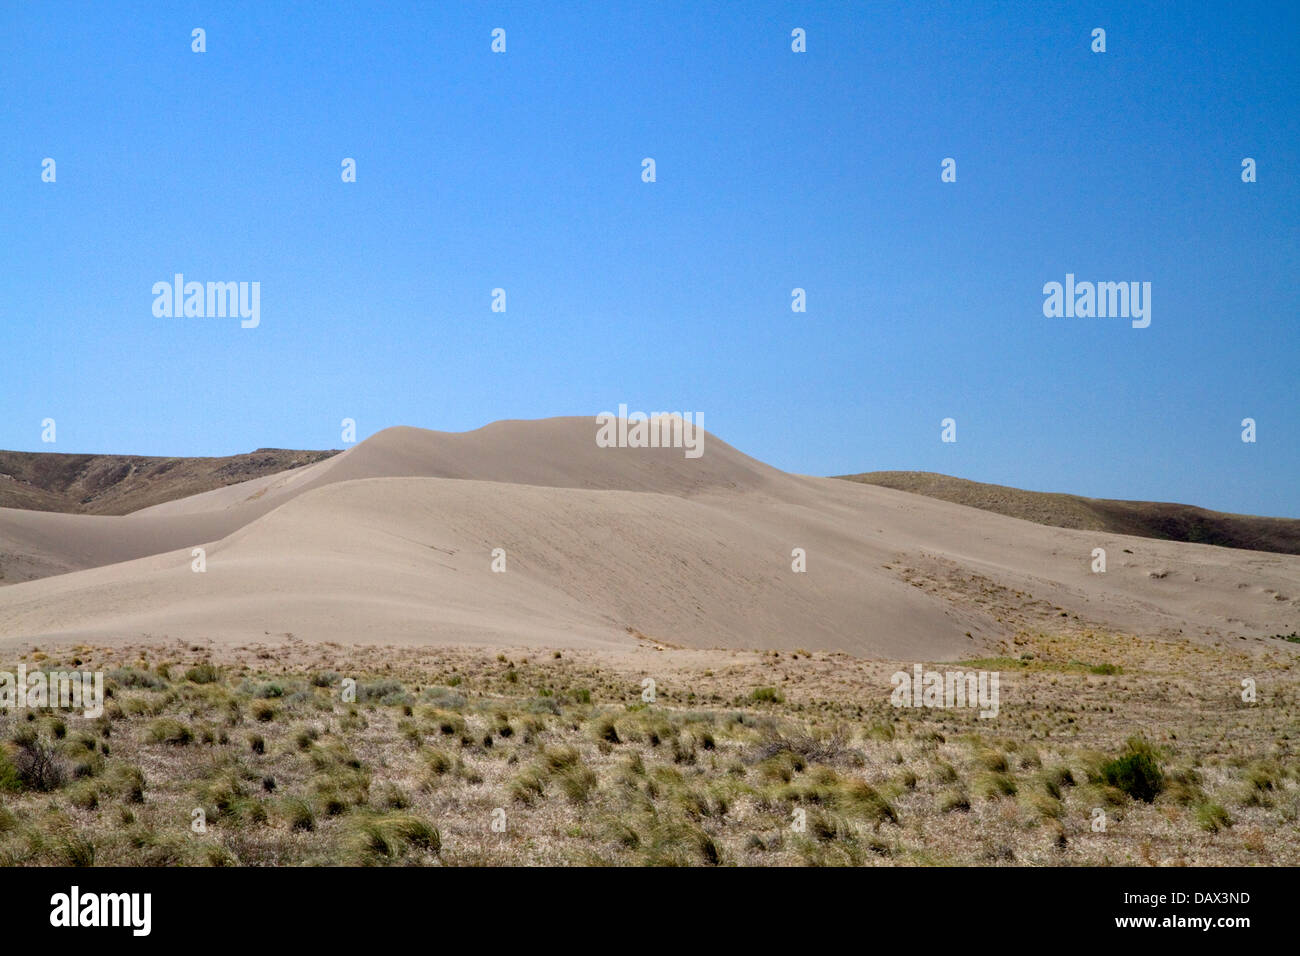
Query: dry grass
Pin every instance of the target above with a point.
(465, 757)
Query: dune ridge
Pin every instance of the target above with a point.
(121, 484)
(1146, 519)
(393, 541)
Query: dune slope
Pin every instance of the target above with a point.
(558, 452)
(394, 541)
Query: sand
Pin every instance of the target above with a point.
(392, 542)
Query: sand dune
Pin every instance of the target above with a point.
(557, 452)
(553, 452)
(392, 541)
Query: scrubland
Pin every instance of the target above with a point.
(1107, 750)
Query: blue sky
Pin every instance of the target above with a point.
(775, 170)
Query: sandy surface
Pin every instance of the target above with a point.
(392, 542)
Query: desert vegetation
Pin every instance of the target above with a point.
(293, 753)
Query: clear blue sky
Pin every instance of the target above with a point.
(775, 170)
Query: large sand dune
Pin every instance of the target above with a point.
(392, 541)
(559, 452)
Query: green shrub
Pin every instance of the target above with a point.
(992, 760)
(126, 781)
(133, 677)
(84, 796)
(299, 814)
(605, 730)
(9, 779)
(577, 783)
(994, 785)
(168, 731)
(204, 673)
(557, 759)
(859, 797)
(1136, 772)
(263, 712)
(76, 850)
(952, 801)
(439, 762)
(527, 787)
(378, 839)
(1212, 817)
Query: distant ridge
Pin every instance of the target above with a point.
(1146, 519)
(120, 484)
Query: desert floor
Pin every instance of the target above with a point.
(485, 757)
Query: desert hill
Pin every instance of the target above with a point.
(557, 452)
(393, 540)
(1146, 519)
(120, 484)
